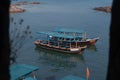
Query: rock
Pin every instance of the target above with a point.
(35, 3)
(25, 3)
(15, 9)
(21, 3)
(104, 9)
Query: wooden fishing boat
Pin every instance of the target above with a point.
(80, 36)
(59, 42)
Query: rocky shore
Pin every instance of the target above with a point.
(14, 8)
(104, 9)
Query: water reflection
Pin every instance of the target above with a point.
(61, 64)
(92, 48)
(59, 60)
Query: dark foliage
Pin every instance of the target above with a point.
(4, 40)
(114, 50)
(19, 34)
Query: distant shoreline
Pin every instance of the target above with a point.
(106, 9)
(14, 8)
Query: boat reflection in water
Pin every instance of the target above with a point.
(61, 64)
(92, 48)
(58, 59)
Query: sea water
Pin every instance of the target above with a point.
(74, 14)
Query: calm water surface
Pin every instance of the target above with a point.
(70, 14)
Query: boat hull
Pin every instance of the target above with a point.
(63, 50)
(88, 41)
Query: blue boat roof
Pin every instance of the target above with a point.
(30, 78)
(71, 77)
(19, 70)
(54, 34)
(69, 30)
